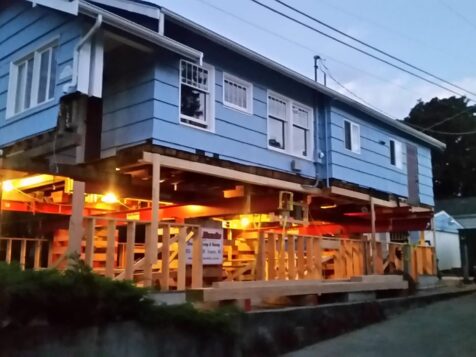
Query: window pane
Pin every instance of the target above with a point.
(355, 138)
(299, 141)
(43, 81)
(301, 117)
(194, 75)
(276, 133)
(347, 136)
(392, 152)
(277, 108)
(20, 94)
(51, 86)
(235, 94)
(193, 103)
(29, 80)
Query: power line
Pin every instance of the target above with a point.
(311, 50)
(457, 13)
(371, 46)
(360, 50)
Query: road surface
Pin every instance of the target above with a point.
(447, 328)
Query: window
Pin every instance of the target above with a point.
(32, 80)
(195, 95)
(352, 136)
(237, 94)
(396, 154)
(289, 126)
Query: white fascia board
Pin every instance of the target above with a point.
(131, 6)
(213, 36)
(140, 31)
(68, 6)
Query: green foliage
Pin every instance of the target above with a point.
(452, 121)
(79, 297)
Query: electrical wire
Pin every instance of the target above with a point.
(360, 50)
(458, 14)
(376, 49)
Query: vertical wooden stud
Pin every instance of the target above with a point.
(271, 256)
(309, 256)
(301, 263)
(261, 258)
(349, 263)
(8, 257)
(110, 248)
(379, 258)
(130, 245)
(373, 235)
(197, 260)
(182, 259)
(164, 278)
(89, 248)
(281, 258)
(317, 258)
(23, 254)
(339, 262)
(37, 256)
(76, 219)
(291, 257)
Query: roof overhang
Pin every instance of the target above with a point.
(140, 31)
(213, 36)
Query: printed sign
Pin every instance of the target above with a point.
(212, 247)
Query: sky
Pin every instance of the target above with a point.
(436, 35)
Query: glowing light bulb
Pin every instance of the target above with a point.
(245, 221)
(109, 198)
(7, 186)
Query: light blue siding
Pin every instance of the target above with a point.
(22, 30)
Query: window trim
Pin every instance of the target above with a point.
(352, 142)
(249, 93)
(34, 54)
(398, 158)
(210, 115)
(288, 126)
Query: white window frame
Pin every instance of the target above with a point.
(35, 82)
(398, 152)
(289, 124)
(249, 93)
(210, 114)
(355, 140)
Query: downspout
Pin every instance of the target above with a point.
(78, 46)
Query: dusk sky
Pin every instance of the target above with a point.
(436, 35)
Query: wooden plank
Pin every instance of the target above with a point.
(152, 238)
(291, 257)
(301, 263)
(130, 243)
(37, 255)
(261, 258)
(379, 258)
(281, 257)
(317, 258)
(8, 257)
(181, 268)
(110, 249)
(271, 256)
(339, 264)
(23, 254)
(373, 239)
(348, 258)
(309, 257)
(362, 196)
(76, 219)
(197, 262)
(89, 248)
(165, 252)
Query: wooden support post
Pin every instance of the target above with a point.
(379, 258)
(339, 266)
(37, 256)
(261, 258)
(271, 256)
(317, 259)
(76, 219)
(110, 248)
(309, 255)
(435, 256)
(130, 245)
(164, 277)
(291, 257)
(152, 239)
(301, 263)
(282, 258)
(373, 236)
(197, 260)
(349, 261)
(182, 259)
(8, 257)
(23, 254)
(89, 248)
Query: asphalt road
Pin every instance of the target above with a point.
(446, 329)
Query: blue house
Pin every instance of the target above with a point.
(186, 126)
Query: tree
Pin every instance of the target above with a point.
(452, 121)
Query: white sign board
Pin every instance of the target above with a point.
(69, 6)
(212, 247)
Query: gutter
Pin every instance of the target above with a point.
(213, 36)
(140, 31)
(80, 44)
